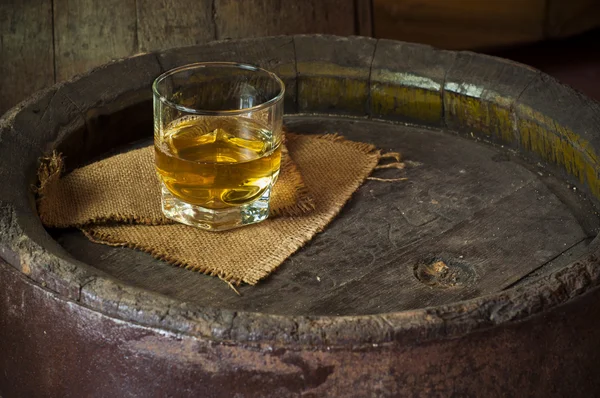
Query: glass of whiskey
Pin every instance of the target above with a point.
(217, 142)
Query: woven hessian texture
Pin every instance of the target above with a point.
(310, 192)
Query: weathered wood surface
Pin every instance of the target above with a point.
(26, 50)
(464, 203)
(334, 79)
(86, 353)
(236, 19)
(541, 183)
(167, 24)
(407, 82)
(480, 93)
(49, 41)
(89, 33)
(103, 95)
(549, 129)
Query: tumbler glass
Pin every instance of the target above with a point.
(217, 140)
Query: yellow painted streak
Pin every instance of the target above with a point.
(559, 145)
(490, 115)
(323, 85)
(412, 103)
(285, 70)
(538, 133)
(319, 93)
(489, 118)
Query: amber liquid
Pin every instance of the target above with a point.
(217, 162)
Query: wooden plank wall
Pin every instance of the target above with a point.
(90, 32)
(48, 41)
(26, 49)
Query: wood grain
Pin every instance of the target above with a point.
(462, 199)
(363, 11)
(163, 24)
(561, 133)
(90, 33)
(252, 18)
(52, 40)
(498, 244)
(556, 264)
(26, 53)
(157, 343)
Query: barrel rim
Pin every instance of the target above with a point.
(26, 246)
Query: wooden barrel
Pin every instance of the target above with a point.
(476, 277)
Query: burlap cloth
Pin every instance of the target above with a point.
(116, 201)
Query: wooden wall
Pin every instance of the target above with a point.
(48, 41)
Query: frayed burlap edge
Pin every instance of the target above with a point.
(50, 172)
(264, 267)
(51, 169)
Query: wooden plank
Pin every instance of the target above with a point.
(89, 33)
(481, 255)
(166, 24)
(253, 18)
(363, 10)
(460, 24)
(556, 264)
(333, 73)
(567, 18)
(461, 190)
(26, 52)
(407, 81)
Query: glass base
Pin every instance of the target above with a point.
(215, 220)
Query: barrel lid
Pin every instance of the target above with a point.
(383, 87)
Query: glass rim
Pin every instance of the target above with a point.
(236, 65)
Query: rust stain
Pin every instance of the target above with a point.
(25, 268)
(213, 357)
